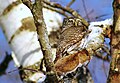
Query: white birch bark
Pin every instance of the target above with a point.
(18, 25)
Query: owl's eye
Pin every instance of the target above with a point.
(70, 22)
(79, 23)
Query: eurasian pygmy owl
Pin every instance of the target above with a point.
(73, 30)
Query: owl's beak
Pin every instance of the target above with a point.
(75, 23)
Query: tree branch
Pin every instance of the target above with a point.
(43, 39)
(84, 6)
(58, 11)
(68, 10)
(28, 3)
(70, 3)
(5, 63)
(114, 74)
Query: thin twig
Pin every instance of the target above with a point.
(68, 10)
(28, 3)
(56, 10)
(84, 6)
(70, 3)
(89, 13)
(100, 16)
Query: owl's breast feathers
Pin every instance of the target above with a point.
(69, 37)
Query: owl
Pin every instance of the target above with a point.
(73, 30)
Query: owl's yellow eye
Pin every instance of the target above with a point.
(71, 21)
(79, 23)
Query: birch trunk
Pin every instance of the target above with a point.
(18, 25)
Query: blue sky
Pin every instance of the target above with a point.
(96, 7)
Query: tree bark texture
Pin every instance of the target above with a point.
(114, 74)
(44, 41)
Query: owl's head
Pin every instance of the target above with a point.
(71, 22)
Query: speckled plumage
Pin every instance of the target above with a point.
(71, 35)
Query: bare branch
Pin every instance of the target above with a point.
(90, 12)
(84, 6)
(68, 10)
(4, 64)
(43, 39)
(70, 3)
(28, 3)
(56, 10)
